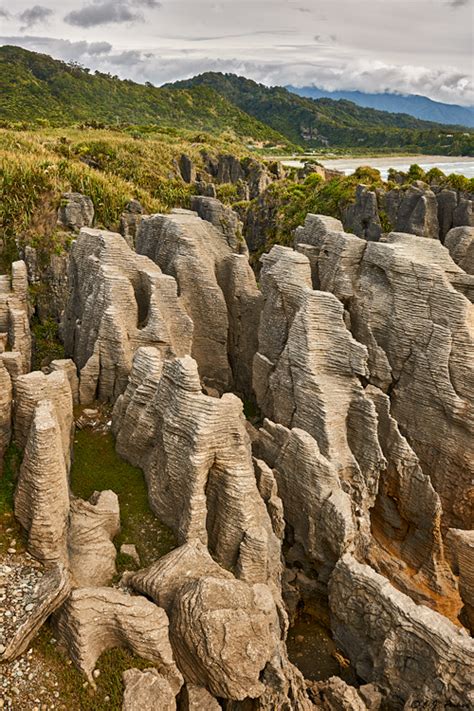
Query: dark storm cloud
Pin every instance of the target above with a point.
(102, 13)
(34, 15)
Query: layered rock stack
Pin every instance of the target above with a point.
(15, 336)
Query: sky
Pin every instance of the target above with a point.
(403, 46)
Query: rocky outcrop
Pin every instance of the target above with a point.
(93, 620)
(403, 304)
(47, 276)
(5, 411)
(149, 690)
(198, 465)
(460, 547)
(117, 302)
(14, 317)
(414, 210)
(203, 259)
(69, 368)
(460, 242)
(196, 698)
(75, 211)
(93, 525)
(42, 494)
(244, 655)
(51, 591)
(35, 387)
(362, 216)
(421, 657)
(223, 218)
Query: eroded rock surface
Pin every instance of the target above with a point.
(76, 211)
(15, 332)
(149, 690)
(460, 242)
(5, 411)
(93, 620)
(413, 651)
(117, 302)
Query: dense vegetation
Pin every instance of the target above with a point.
(336, 123)
(34, 87)
(37, 89)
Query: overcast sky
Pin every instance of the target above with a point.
(408, 46)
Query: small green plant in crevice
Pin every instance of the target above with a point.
(46, 342)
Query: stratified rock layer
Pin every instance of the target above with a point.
(42, 493)
(117, 302)
(215, 282)
(15, 332)
(421, 657)
(5, 411)
(460, 242)
(404, 305)
(93, 620)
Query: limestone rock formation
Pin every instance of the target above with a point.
(240, 625)
(198, 467)
(93, 620)
(460, 242)
(362, 216)
(223, 218)
(117, 302)
(414, 210)
(403, 304)
(42, 492)
(130, 222)
(69, 368)
(335, 695)
(148, 690)
(460, 547)
(29, 391)
(421, 657)
(53, 589)
(5, 411)
(307, 370)
(92, 526)
(202, 258)
(14, 316)
(196, 698)
(75, 212)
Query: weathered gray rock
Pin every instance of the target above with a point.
(42, 492)
(414, 211)
(75, 212)
(68, 366)
(130, 222)
(187, 169)
(198, 464)
(53, 588)
(148, 690)
(197, 698)
(29, 391)
(460, 242)
(93, 525)
(417, 654)
(93, 620)
(14, 315)
(460, 547)
(404, 306)
(307, 370)
(447, 202)
(463, 213)
(118, 301)
(223, 218)
(5, 411)
(203, 259)
(335, 695)
(362, 216)
(240, 625)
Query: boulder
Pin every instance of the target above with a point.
(75, 212)
(148, 690)
(197, 698)
(414, 211)
(117, 302)
(362, 216)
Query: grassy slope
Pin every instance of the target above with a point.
(342, 122)
(35, 86)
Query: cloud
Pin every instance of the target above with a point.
(4, 13)
(35, 15)
(148, 3)
(458, 3)
(102, 13)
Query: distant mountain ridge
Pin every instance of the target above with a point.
(413, 104)
(316, 122)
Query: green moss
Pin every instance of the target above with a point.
(74, 693)
(97, 467)
(47, 345)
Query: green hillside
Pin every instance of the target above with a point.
(323, 122)
(34, 87)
